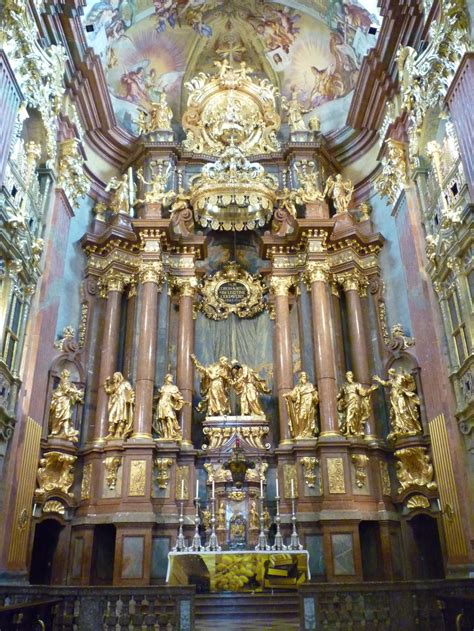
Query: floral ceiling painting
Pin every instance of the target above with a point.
(313, 47)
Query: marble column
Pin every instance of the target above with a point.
(129, 347)
(317, 279)
(354, 284)
(114, 285)
(186, 286)
(283, 358)
(150, 278)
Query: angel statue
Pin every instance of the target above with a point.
(60, 410)
(181, 201)
(121, 201)
(294, 112)
(249, 385)
(121, 406)
(353, 400)
(404, 404)
(157, 195)
(341, 192)
(170, 401)
(301, 403)
(288, 199)
(216, 380)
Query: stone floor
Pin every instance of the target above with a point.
(247, 625)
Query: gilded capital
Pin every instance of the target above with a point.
(316, 271)
(185, 285)
(113, 281)
(151, 272)
(281, 285)
(353, 281)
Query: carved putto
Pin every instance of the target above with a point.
(65, 396)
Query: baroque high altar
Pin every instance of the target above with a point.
(234, 384)
(227, 289)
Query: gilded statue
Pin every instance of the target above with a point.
(65, 396)
(266, 519)
(288, 199)
(161, 115)
(221, 525)
(121, 198)
(294, 113)
(254, 519)
(157, 195)
(404, 404)
(216, 380)
(353, 400)
(181, 201)
(121, 406)
(341, 192)
(170, 401)
(301, 403)
(249, 386)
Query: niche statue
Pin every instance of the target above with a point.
(354, 402)
(170, 401)
(65, 396)
(404, 404)
(121, 406)
(301, 403)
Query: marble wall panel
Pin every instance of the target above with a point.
(342, 554)
(132, 556)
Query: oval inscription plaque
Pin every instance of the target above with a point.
(232, 292)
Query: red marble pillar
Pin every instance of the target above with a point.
(184, 367)
(317, 278)
(459, 102)
(353, 285)
(129, 346)
(281, 286)
(150, 276)
(114, 283)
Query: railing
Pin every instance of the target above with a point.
(102, 608)
(407, 606)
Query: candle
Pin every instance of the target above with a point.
(213, 489)
(292, 488)
(261, 487)
(277, 493)
(182, 489)
(197, 488)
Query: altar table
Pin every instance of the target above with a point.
(238, 571)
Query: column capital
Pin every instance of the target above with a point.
(353, 280)
(281, 285)
(151, 272)
(316, 271)
(113, 280)
(184, 285)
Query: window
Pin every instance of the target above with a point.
(457, 327)
(12, 331)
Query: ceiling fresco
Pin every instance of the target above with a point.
(312, 46)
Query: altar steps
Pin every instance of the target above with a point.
(247, 612)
